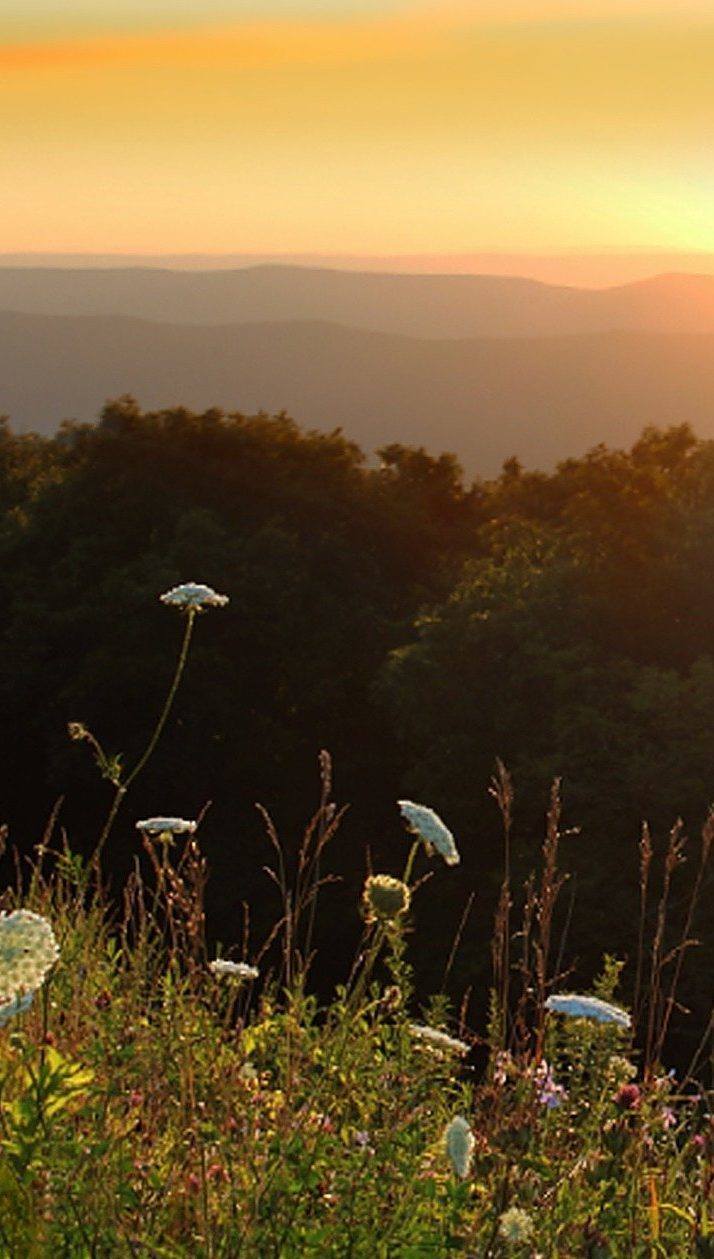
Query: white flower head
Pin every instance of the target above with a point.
(166, 826)
(193, 596)
(438, 1040)
(583, 1007)
(17, 1005)
(233, 970)
(424, 822)
(620, 1070)
(515, 1226)
(459, 1140)
(28, 951)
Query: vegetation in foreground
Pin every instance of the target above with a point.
(158, 1101)
(414, 623)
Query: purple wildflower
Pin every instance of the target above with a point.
(548, 1092)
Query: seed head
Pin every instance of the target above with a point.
(515, 1226)
(384, 898)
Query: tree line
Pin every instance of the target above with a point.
(415, 624)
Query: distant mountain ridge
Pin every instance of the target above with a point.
(430, 306)
(588, 270)
(543, 398)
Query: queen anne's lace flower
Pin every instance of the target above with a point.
(385, 898)
(579, 1007)
(460, 1143)
(193, 596)
(515, 1226)
(620, 1070)
(427, 824)
(18, 1005)
(28, 951)
(166, 826)
(233, 970)
(439, 1040)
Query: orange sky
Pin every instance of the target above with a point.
(327, 126)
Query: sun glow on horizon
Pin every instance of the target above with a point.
(335, 127)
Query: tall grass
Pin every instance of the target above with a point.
(152, 1105)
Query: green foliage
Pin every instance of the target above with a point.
(416, 626)
(226, 1123)
(232, 1117)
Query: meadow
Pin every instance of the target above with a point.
(162, 1097)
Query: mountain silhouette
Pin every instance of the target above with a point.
(438, 306)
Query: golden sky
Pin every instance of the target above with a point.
(337, 126)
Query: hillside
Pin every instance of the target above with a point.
(485, 398)
(441, 306)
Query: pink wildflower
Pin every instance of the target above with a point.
(627, 1097)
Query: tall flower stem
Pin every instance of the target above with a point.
(122, 788)
(410, 862)
(380, 936)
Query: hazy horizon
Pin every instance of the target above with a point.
(576, 270)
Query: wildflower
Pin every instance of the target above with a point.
(460, 1143)
(669, 1119)
(548, 1093)
(502, 1067)
(17, 1005)
(392, 998)
(28, 951)
(627, 1097)
(620, 1069)
(77, 731)
(233, 970)
(427, 824)
(166, 826)
(515, 1225)
(216, 1172)
(193, 597)
(698, 1143)
(439, 1040)
(385, 898)
(580, 1007)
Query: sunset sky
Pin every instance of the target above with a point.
(357, 126)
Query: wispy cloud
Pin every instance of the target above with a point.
(32, 20)
(332, 38)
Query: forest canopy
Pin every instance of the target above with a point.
(416, 626)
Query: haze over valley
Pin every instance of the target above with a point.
(486, 366)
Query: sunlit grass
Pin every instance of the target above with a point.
(158, 1101)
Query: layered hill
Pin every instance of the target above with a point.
(438, 306)
(486, 398)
